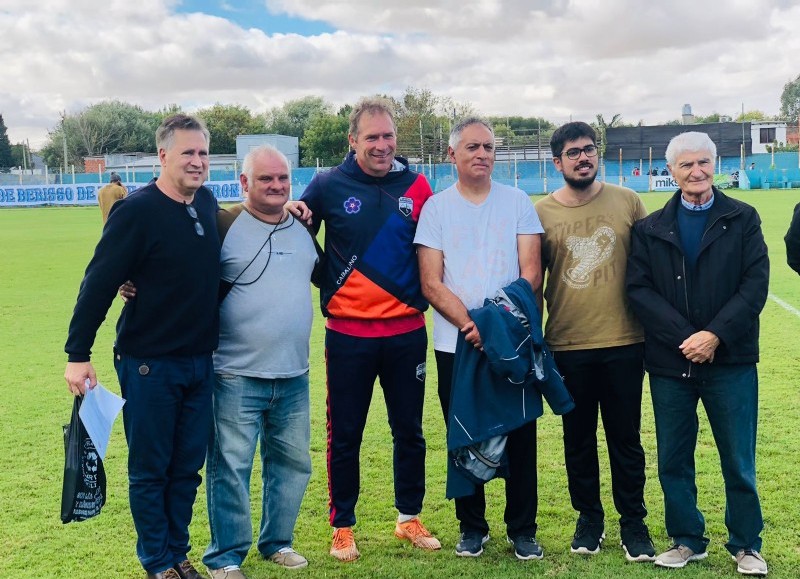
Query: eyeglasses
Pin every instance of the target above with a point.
(575, 152)
(198, 227)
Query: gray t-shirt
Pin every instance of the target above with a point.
(265, 320)
(479, 243)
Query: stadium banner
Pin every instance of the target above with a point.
(86, 193)
(667, 183)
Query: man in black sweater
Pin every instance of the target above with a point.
(163, 238)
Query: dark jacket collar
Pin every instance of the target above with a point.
(350, 168)
(667, 218)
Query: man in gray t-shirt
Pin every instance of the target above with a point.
(261, 365)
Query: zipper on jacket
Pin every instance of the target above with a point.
(686, 300)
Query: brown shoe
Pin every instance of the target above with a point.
(187, 571)
(415, 532)
(344, 545)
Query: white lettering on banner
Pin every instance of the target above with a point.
(86, 193)
(663, 183)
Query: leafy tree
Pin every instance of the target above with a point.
(325, 139)
(226, 122)
(750, 116)
(6, 159)
(424, 120)
(601, 125)
(790, 100)
(293, 117)
(105, 127)
(20, 156)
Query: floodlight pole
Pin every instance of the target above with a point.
(742, 161)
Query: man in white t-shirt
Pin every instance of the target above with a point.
(473, 239)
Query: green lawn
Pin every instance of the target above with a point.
(44, 252)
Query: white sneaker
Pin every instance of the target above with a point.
(229, 572)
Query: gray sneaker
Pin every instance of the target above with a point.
(289, 558)
(229, 572)
(750, 562)
(677, 556)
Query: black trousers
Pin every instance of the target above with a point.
(522, 498)
(609, 379)
(353, 364)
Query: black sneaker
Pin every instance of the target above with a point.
(588, 536)
(526, 548)
(636, 542)
(471, 544)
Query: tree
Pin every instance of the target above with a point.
(105, 127)
(423, 123)
(293, 117)
(226, 122)
(20, 156)
(325, 139)
(790, 100)
(751, 116)
(6, 159)
(602, 125)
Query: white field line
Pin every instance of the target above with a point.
(786, 306)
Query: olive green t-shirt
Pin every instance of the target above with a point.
(585, 250)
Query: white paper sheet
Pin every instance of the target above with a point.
(98, 411)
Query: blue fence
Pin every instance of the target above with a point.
(533, 177)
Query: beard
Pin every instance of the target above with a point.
(580, 183)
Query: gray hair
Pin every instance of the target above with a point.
(266, 150)
(165, 133)
(376, 105)
(690, 142)
(458, 128)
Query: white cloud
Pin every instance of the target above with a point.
(557, 59)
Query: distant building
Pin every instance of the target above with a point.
(289, 146)
(637, 142)
(765, 133)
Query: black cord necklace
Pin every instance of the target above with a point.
(268, 241)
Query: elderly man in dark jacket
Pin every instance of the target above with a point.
(697, 279)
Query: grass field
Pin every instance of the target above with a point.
(44, 253)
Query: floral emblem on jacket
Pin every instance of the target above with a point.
(352, 205)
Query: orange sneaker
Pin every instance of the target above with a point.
(344, 545)
(416, 532)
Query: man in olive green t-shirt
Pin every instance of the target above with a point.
(595, 338)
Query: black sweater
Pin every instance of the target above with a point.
(151, 240)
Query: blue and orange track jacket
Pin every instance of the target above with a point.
(371, 270)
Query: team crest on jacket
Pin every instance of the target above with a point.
(352, 205)
(406, 205)
(421, 372)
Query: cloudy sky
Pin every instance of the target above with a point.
(558, 59)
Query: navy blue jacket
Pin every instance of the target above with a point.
(500, 389)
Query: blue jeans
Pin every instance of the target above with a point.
(167, 416)
(730, 396)
(275, 413)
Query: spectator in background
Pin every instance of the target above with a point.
(110, 194)
(752, 166)
(636, 171)
(697, 279)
